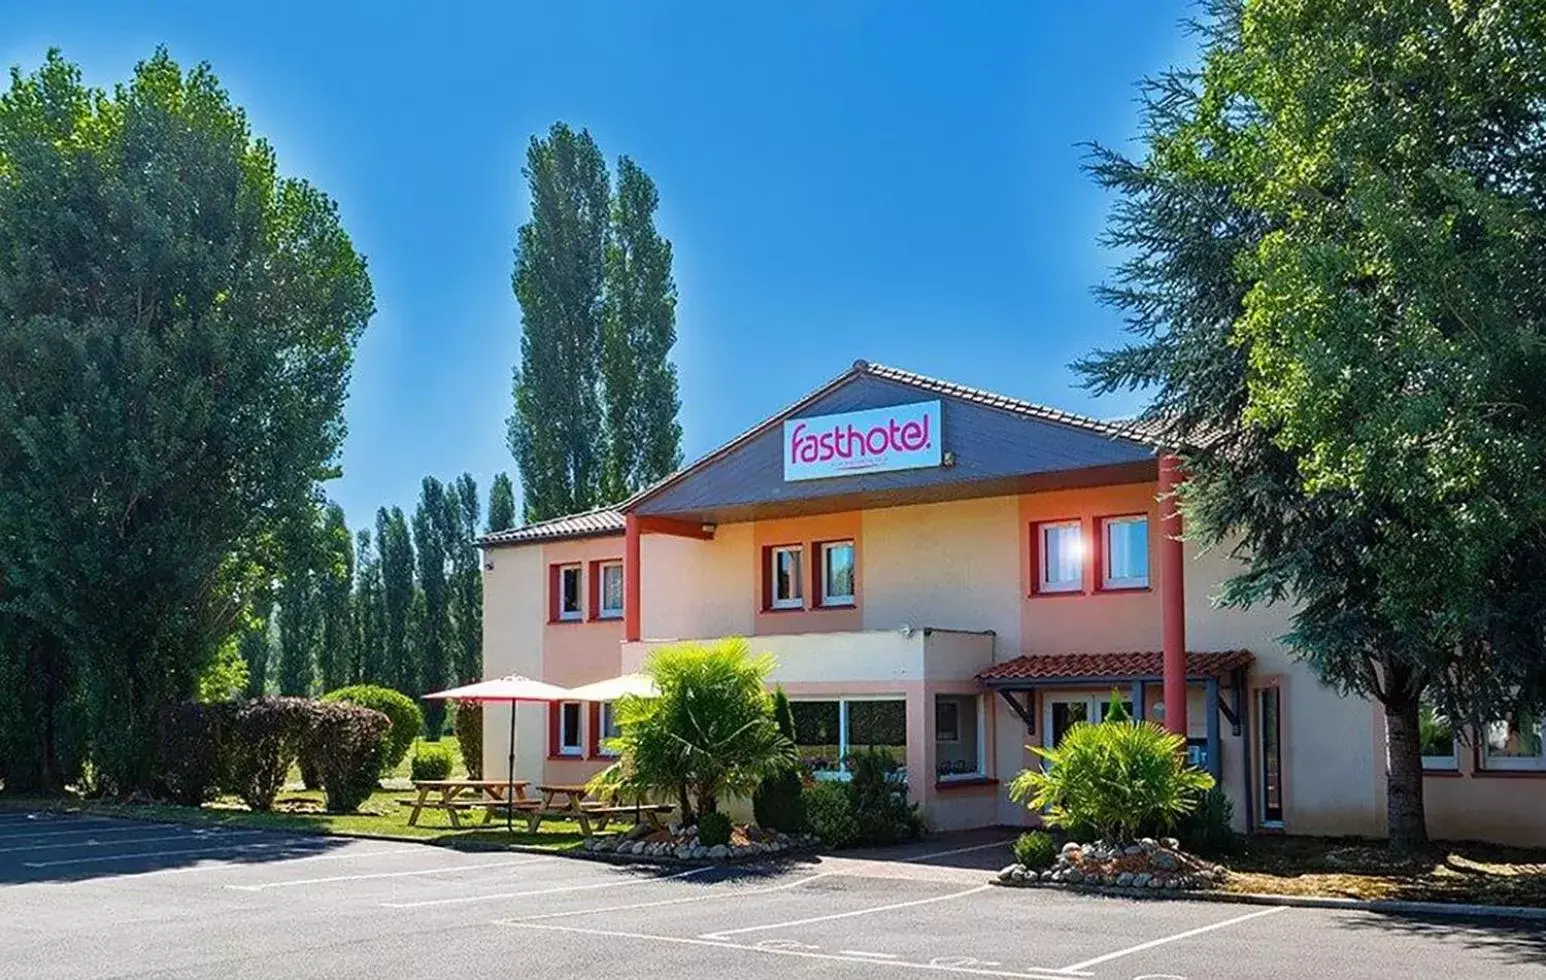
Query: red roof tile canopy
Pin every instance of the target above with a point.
(1109, 666)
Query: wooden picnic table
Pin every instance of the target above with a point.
(574, 806)
(463, 794)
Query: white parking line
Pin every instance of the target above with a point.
(877, 956)
(467, 899)
(844, 915)
(958, 850)
(1170, 939)
(387, 874)
(198, 835)
(297, 846)
(101, 828)
(244, 866)
(1029, 973)
(670, 901)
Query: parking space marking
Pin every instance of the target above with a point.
(783, 948)
(387, 874)
(102, 827)
(199, 835)
(468, 899)
(291, 844)
(845, 915)
(1171, 939)
(860, 952)
(958, 850)
(669, 901)
(243, 866)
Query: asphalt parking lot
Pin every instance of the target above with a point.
(90, 897)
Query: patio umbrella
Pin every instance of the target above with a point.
(615, 687)
(511, 689)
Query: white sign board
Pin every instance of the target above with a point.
(876, 440)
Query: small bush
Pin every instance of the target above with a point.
(1206, 829)
(266, 734)
(432, 762)
(311, 774)
(713, 828)
(777, 804)
(191, 746)
(1036, 849)
(829, 809)
(347, 741)
(879, 792)
(469, 735)
(407, 720)
(1117, 778)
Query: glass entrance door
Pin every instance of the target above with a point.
(1063, 712)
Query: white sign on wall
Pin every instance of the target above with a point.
(876, 440)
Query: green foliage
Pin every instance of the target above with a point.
(431, 538)
(194, 739)
(394, 547)
(713, 829)
(1116, 711)
(348, 743)
(1035, 849)
(829, 809)
(42, 734)
(406, 718)
(177, 325)
(369, 613)
(433, 762)
(225, 676)
(1115, 778)
(1435, 732)
(337, 656)
(267, 735)
(1206, 829)
(878, 786)
(778, 803)
(468, 723)
(501, 504)
(710, 733)
(466, 579)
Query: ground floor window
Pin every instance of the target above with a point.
(571, 731)
(959, 740)
(1270, 727)
(607, 723)
(1437, 735)
(827, 732)
(1515, 742)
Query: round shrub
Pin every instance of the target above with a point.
(469, 735)
(713, 829)
(406, 718)
(1036, 850)
(829, 810)
(191, 747)
(266, 734)
(1206, 830)
(346, 741)
(432, 762)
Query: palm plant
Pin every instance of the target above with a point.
(1115, 778)
(709, 734)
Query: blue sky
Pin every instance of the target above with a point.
(840, 179)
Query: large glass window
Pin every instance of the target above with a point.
(569, 588)
(1515, 742)
(1061, 558)
(611, 590)
(787, 587)
(837, 573)
(958, 740)
(1126, 563)
(827, 732)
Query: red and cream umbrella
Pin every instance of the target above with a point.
(511, 689)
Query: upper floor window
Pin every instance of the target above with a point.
(1126, 552)
(1060, 547)
(837, 573)
(1515, 742)
(609, 590)
(569, 584)
(786, 579)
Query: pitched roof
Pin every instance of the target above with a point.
(602, 522)
(1112, 666)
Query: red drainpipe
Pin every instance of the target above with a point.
(632, 583)
(1172, 595)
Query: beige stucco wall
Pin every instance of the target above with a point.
(1472, 803)
(696, 588)
(514, 612)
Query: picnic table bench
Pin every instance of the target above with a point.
(458, 795)
(568, 802)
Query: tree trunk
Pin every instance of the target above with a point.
(684, 803)
(1404, 779)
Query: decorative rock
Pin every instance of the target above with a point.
(699, 852)
(1173, 884)
(1141, 879)
(1073, 876)
(1165, 861)
(1019, 875)
(1156, 882)
(1057, 876)
(1124, 879)
(1008, 871)
(1132, 850)
(1170, 843)
(684, 851)
(718, 852)
(1148, 844)
(1070, 848)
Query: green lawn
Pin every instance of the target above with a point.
(300, 810)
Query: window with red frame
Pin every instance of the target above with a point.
(568, 583)
(1124, 547)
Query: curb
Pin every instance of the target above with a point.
(1453, 910)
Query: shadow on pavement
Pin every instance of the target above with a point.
(986, 849)
(1513, 941)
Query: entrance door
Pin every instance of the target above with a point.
(1063, 711)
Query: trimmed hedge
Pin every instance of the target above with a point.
(713, 829)
(191, 746)
(432, 761)
(1036, 849)
(829, 809)
(266, 735)
(347, 742)
(407, 721)
(469, 735)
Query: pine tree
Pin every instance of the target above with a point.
(559, 268)
(639, 389)
(501, 504)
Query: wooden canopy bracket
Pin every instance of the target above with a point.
(1025, 711)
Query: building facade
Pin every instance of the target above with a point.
(954, 575)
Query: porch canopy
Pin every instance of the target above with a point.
(1032, 672)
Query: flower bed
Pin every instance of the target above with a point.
(682, 844)
(1146, 865)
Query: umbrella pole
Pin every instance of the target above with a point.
(510, 789)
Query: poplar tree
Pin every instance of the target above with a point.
(369, 614)
(395, 549)
(430, 545)
(556, 432)
(466, 579)
(501, 504)
(336, 652)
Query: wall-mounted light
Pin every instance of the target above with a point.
(948, 459)
(488, 565)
